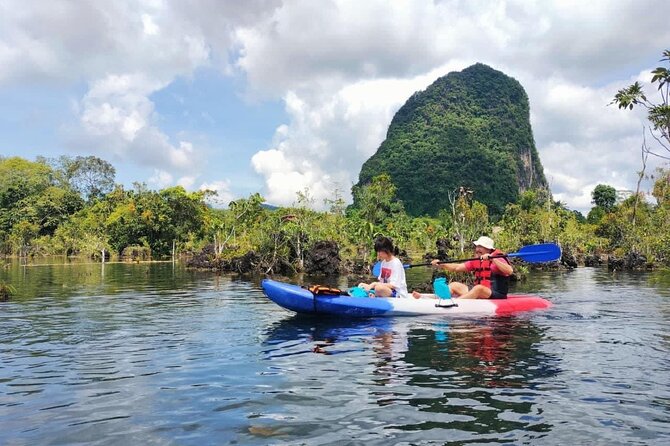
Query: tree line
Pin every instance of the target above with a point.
(72, 206)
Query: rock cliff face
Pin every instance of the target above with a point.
(469, 128)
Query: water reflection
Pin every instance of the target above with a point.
(322, 335)
(156, 354)
(488, 371)
(478, 377)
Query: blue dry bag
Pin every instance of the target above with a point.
(357, 292)
(441, 288)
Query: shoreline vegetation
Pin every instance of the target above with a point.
(48, 210)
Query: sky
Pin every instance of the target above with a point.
(278, 96)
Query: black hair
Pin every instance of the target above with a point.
(385, 244)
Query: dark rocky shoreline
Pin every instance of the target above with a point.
(324, 259)
(632, 261)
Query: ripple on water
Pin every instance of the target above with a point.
(157, 354)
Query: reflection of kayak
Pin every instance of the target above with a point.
(327, 334)
(301, 300)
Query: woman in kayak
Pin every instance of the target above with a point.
(391, 280)
(491, 275)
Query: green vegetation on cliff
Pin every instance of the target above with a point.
(468, 129)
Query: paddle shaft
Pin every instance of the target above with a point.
(458, 261)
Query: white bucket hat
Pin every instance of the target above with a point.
(484, 241)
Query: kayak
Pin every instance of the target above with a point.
(301, 300)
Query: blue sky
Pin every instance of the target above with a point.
(208, 107)
(211, 107)
(276, 97)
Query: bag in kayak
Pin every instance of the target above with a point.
(322, 290)
(357, 292)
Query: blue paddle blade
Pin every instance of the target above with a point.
(545, 252)
(377, 269)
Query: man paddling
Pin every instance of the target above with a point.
(491, 274)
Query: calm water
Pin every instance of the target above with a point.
(155, 354)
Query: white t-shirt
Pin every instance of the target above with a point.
(393, 273)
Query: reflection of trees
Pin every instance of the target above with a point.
(73, 302)
(72, 278)
(487, 371)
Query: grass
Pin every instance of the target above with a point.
(6, 291)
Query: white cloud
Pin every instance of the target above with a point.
(342, 69)
(583, 141)
(267, 162)
(342, 41)
(223, 194)
(118, 104)
(64, 40)
(119, 50)
(186, 182)
(117, 118)
(160, 179)
(148, 25)
(284, 179)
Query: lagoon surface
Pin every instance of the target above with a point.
(157, 354)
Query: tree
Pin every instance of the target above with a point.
(54, 206)
(21, 182)
(375, 204)
(595, 215)
(604, 196)
(336, 204)
(240, 214)
(377, 201)
(22, 235)
(658, 113)
(579, 216)
(90, 176)
(156, 219)
(662, 188)
(469, 218)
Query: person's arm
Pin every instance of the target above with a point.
(453, 267)
(502, 264)
(504, 267)
(372, 285)
(367, 286)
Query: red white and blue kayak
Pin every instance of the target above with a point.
(301, 300)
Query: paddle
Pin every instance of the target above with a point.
(544, 252)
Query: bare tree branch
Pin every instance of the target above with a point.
(659, 141)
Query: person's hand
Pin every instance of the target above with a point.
(435, 263)
(485, 256)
